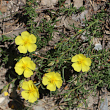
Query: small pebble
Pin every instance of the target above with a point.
(2, 99)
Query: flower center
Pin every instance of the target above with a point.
(26, 42)
(31, 90)
(52, 80)
(24, 66)
(80, 61)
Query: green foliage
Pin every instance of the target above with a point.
(58, 58)
(5, 88)
(0, 13)
(5, 38)
(3, 50)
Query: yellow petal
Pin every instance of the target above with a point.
(22, 49)
(45, 80)
(49, 75)
(31, 47)
(31, 95)
(77, 67)
(75, 58)
(36, 94)
(57, 76)
(85, 68)
(81, 56)
(33, 87)
(87, 61)
(32, 65)
(25, 40)
(30, 84)
(6, 93)
(19, 70)
(19, 64)
(25, 33)
(32, 98)
(25, 95)
(28, 73)
(32, 38)
(26, 60)
(19, 40)
(58, 83)
(25, 85)
(51, 87)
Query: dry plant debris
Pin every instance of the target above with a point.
(13, 22)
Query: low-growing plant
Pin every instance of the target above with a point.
(70, 70)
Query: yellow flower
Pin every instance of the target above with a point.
(30, 92)
(26, 42)
(6, 94)
(80, 31)
(52, 80)
(81, 63)
(25, 65)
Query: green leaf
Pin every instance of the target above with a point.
(5, 88)
(21, 82)
(0, 13)
(80, 105)
(68, 99)
(5, 38)
(0, 38)
(51, 63)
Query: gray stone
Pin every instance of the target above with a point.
(2, 99)
(38, 108)
(104, 105)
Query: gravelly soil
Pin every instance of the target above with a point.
(10, 26)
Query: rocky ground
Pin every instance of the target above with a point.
(11, 27)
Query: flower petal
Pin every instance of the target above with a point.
(75, 58)
(19, 64)
(24, 34)
(25, 85)
(19, 40)
(22, 49)
(49, 75)
(85, 68)
(77, 67)
(51, 87)
(26, 60)
(57, 76)
(28, 73)
(32, 65)
(30, 84)
(32, 98)
(81, 56)
(18, 70)
(45, 80)
(33, 87)
(30, 92)
(36, 94)
(58, 83)
(25, 95)
(32, 38)
(31, 47)
(87, 61)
